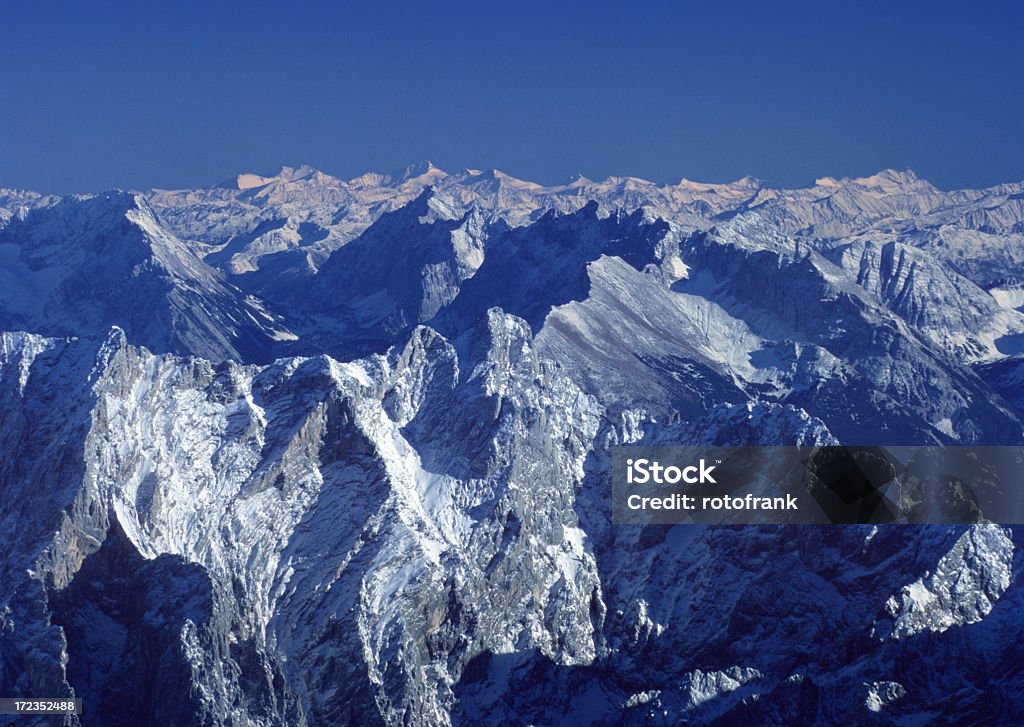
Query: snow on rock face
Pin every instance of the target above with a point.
(948, 309)
(402, 272)
(703, 687)
(308, 518)
(962, 589)
(83, 265)
(889, 200)
(882, 694)
(404, 518)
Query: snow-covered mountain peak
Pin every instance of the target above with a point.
(630, 183)
(249, 181)
(431, 205)
(892, 180)
(369, 180)
(423, 172)
(746, 184)
(577, 180)
(88, 263)
(284, 176)
(494, 180)
(831, 182)
(373, 489)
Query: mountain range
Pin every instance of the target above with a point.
(299, 450)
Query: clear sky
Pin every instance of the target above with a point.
(96, 95)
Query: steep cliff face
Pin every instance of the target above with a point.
(271, 542)
(405, 519)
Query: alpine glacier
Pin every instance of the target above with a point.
(294, 450)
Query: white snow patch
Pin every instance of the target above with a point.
(1011, 297)
(946, 427)
(961, 590)
(882, 694)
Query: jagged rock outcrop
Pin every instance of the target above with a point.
(299, 451)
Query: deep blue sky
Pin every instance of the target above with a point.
(95, 95)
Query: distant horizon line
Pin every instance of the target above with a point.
(294, 174)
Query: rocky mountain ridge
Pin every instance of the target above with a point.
(315, 452)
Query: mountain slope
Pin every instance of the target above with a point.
(84, 265)
(402, 271)
(404, 517)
